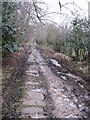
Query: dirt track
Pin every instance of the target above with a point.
(45, 84)
(50, 92)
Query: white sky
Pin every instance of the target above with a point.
(53, 6)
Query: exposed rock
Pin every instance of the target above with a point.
(34, 103)
(32, 110)
(32, 83)
(63, 77)
(35, 95)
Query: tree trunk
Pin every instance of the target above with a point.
(77, 53)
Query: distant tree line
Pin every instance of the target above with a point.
(72, 41)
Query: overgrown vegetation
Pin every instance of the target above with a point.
(72, 41)
(18, 22)
(78, 39)
(8, 28)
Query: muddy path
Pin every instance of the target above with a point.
(43, 86)
(50, 92)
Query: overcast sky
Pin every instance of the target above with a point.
(54, 7)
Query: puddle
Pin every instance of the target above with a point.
(81, 85)
(58, 72)
(73, 76)
(72, 116)
(63, 77)
(55, 62)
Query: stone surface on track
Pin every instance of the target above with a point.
(34, 103)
